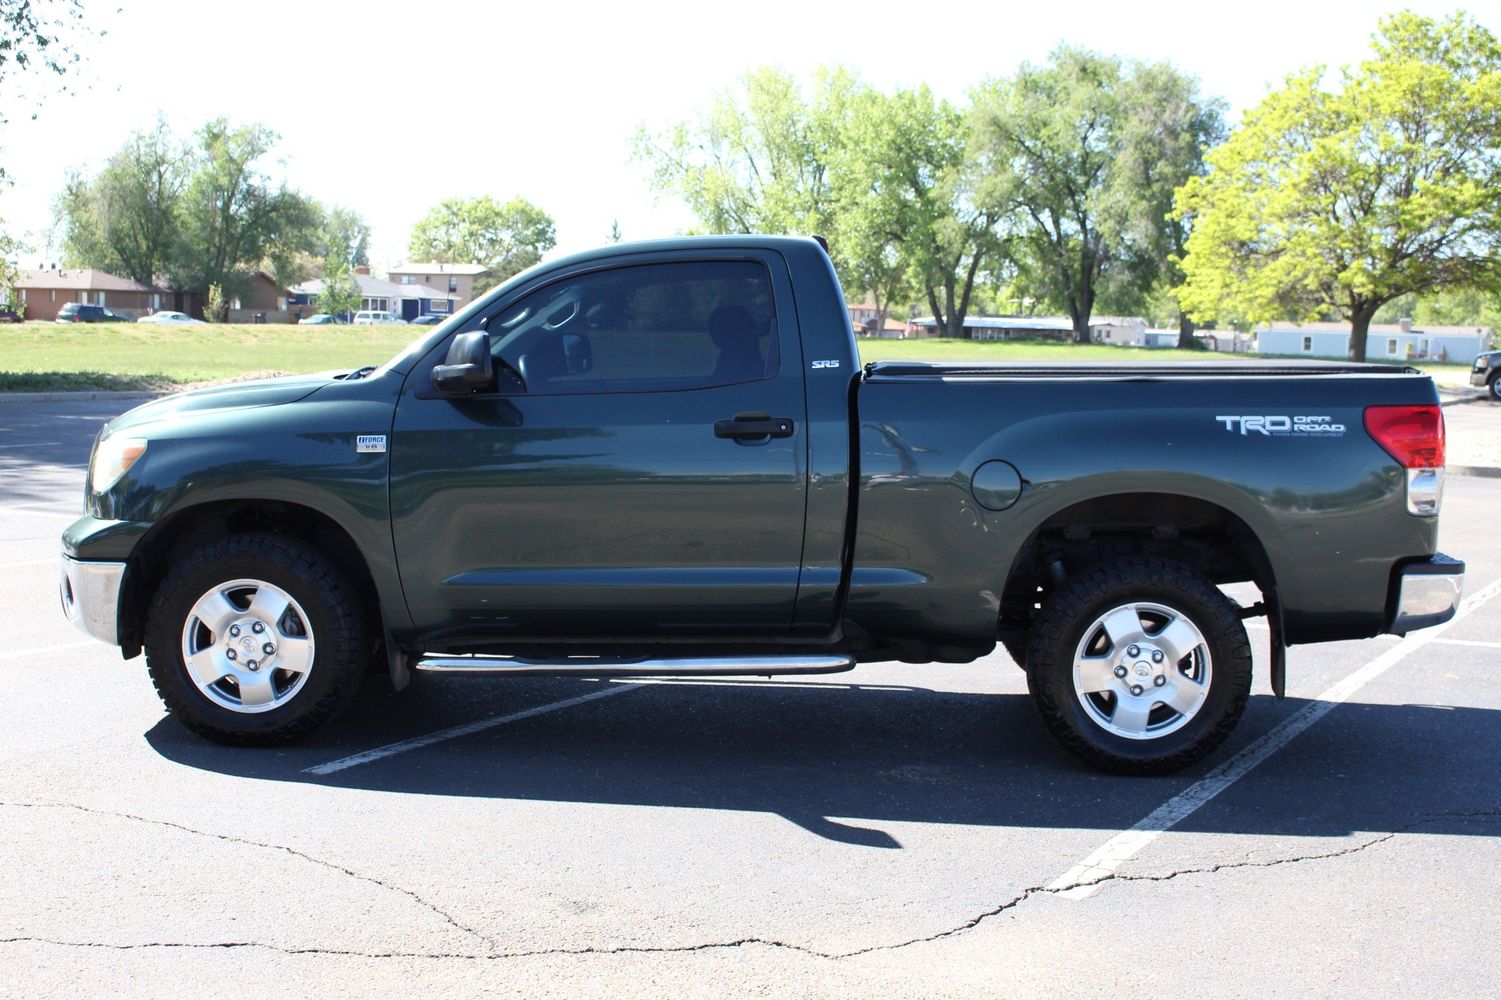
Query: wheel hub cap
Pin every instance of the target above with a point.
(1142, 670)
(246, 646)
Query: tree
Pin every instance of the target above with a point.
(341, 293)
(757, 161)
(1083, 155)
(125, 219)
(1167, 128)
(908, 215)
(345, 230)
(233, 218)
(9, 248)
(1337, 201)
(215, 305)
(506, 238)
(35, 36)
(882, 177)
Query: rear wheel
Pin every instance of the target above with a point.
(255, 639)
(1139, 666)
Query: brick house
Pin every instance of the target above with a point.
(456, 279)
(262, 301)
(43, 293)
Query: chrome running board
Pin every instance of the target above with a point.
(601, 666)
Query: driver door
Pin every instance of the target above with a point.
(594, 491)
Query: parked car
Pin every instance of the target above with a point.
(80, 312)
(1487, 373)
(428, 319)
(667, 460)
(376, 317)
(321, 319)
(9, 315)
(168, 316)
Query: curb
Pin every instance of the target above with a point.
(84, 396)
(1476, 397)
(1482, 471)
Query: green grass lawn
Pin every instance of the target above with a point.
(49, 356)
(40, 357)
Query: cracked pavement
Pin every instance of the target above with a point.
(894, 831)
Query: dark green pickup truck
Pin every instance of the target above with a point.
(665, 459)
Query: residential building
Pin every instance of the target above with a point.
(1159, 337)
(457, 280)
(407, 301)
(263, 301)
(1226, 341)
(1400, 341)
(43, 293)
(1129, 330)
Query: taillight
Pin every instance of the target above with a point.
(1414, 436)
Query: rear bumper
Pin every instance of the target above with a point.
(1425, 593)
(90, 593)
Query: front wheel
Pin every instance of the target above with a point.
(1139, 666)
(1495, 388)
(255, 639)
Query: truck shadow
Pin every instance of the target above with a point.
(833, 758)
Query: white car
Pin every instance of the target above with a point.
(376, 317)
(168, 316)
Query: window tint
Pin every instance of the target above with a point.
(641, 329)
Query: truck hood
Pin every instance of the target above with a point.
(235, 395)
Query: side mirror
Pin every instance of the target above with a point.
(468, 367)
(578, 354)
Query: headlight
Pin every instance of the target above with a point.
(112, 457)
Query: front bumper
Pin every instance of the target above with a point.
(90, 594)
(1426, 593)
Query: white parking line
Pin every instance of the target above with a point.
(38, 651)
(69, 513)
(1084, 878)
(392, 749)
(1468, 642)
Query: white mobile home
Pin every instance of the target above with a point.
(1402, 341)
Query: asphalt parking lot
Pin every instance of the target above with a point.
(898, 830)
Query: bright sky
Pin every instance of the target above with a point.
(387, 108)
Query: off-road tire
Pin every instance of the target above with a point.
(336, 620)
(1075, 607)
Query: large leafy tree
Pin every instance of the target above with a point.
(1082, 156)
(125, 219)
(881, 176)
(233, 216)
(1335, 201)
(193, 216)
(506, 238)
(908, 212)
(757, 160)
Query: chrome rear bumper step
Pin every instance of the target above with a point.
(599, 666)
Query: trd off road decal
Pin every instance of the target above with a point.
(1282, 425)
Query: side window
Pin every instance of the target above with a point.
(647, 328)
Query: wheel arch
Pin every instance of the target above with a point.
(1200, 533)
(188, 527)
